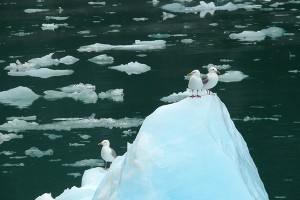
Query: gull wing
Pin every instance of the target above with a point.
(204, 78)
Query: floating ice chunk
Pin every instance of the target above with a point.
(137, 46)
(85, 137)
(80, 92)
(102, 59)
(219, 67)
(168, 15)
(13, 165)
(232, 76)
(51, 27)
(128, 133)
(68, 60)
(187, 41)
(52, 136)
(96, 3)
(75, 175)
(249, 36)
(44, 61)
(294, 71)
(71, 123)
(35, 10)
(273, 32)
(247, 119)
(76, 144)
(41, 73)
(132, 68)
(115, 95)
(84, 32)
(8, 137)
(35, 152)
(175, 97)
(7, 153)
(56, 18)
(20, 97)
(21, 34)
(140, 19)
(159, 36)
(85, 163)
(28, 118)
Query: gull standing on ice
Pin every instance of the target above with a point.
(195, 82)
(107, 153)
(210, 79)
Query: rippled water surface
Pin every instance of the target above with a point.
(40, 106)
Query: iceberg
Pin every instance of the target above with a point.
(132, 68)
(186, 150)
(20, 97)
(137, 46)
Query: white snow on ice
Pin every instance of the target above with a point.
(132, 68)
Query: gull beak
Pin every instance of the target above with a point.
(100, 143)
(218, 72)
(189, 74)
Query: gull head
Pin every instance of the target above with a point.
(213, 70)
(194, 72)
(104, 143)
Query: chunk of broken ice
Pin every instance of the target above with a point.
(249, 36)
(20, 97)
(85, 163)
(232, 76)
(102, 59)
(132, 68)
(8, 137)
(35, 10)
(49, 26)
(35, 152)
(115, 95)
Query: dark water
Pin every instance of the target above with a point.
(269, 96)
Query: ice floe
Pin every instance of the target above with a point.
(175, 97)
(36, 67)
(204, 8)
(27, 118)
(247, 119)
(252, 36)
(13, 165)
(187, 41)
(56, 18)
(35, 152)
(35, 10)
(102, 59)
(52, 136)
(20, 97)
(132, 68)
(139, 19)
(114, 94)
(97, 3)
(49, 26)
(167, 15)
(75, 175)
(79, 92)
(85, 163)
(137, 46)
(71, 123)
(7, 153)
(8, 137)
(232, 76)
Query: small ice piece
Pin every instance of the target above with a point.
(68, 60)
(187, 41)
(132, 68)
(213, 24)
(21, 34)
(175, 97)
(17, 125)
(76, 144)
(139, 19)
(128, 133)
(102, 59)
(13, 165)
(159, 36)
(273, 32)
(75, 175)
(20, 97)
(35, 152)
(85, 32)
(294, 71)
(51, 27)
(85, 163)
(247, 119)
(232, 76)
(56, 18)
(85, 137)
(137, 46)
(28, 118)
(168, 15)
(96, 3)
(80, 92)
(52, 136)
(35, 10)
(219, 67)
(249, 36)
(7, 153)
(41, 73)
(8, 137)
(115, 95)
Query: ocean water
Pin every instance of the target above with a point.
(264, 105)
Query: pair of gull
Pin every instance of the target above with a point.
(199, 82)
